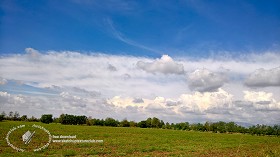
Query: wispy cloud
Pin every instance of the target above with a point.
(120, 36)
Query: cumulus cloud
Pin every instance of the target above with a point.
(203, 80)
(262, 100)
(199, 102)
(72, 86)
(165, 65)
(264, 78)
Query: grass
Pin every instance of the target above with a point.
(138, 142)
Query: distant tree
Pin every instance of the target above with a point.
(89, 121)
(99, 122)
(11, 115)
(149, 123)
(142, 124)
(132, 124)
(61, 118)
(231, 127)
(111, 122)
(33, 119)
(167, 126)
(81, 120)
(124, 123)
(221, 127)
(2, 117)
(4, 114)
(162, 124)
(276, 129)
(214, 127)
(23, 118)
(155, 122)
(56, 120)
(207, 126)
(172, 126)
(16, 116)
(46, 118)
(186, 126)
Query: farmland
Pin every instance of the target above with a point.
(120, 141)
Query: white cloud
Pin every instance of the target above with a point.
(264, 78)
(203, 80)
(199, 102)
(85, 84)
(262, 100)
(165, 65)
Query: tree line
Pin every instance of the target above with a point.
(216, 127)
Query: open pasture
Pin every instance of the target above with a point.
(118, 141)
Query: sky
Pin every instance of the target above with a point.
(186, 60)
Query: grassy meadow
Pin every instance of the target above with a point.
(119, 141)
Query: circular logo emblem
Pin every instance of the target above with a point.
(28, 138)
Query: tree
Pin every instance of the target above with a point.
(81, 119)
(207, 126)
(221, 127)
(89, 121)
(2, 117)
(56, 120)
(142, 124)
(11, 115)
(124, 123)
(161, 124)
(155, 122)
(231, 127)
(46, 118)
(16, 116)
(3, 113)
(167, 126)
(23, 118)
(132, 124)
(33, 119)
(98, 122)
(149, 123)
(111, 122)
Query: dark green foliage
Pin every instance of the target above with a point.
(2, 117)
(23, 118)
(124, 123)
(46, 118)
(72, 119)
(111, 122)
(142, 124)
(16, 116)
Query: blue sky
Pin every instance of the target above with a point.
(141, 28)
(189, 60)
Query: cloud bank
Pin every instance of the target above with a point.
(173, 89)
(264, 78)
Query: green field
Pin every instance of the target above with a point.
(118, 141)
